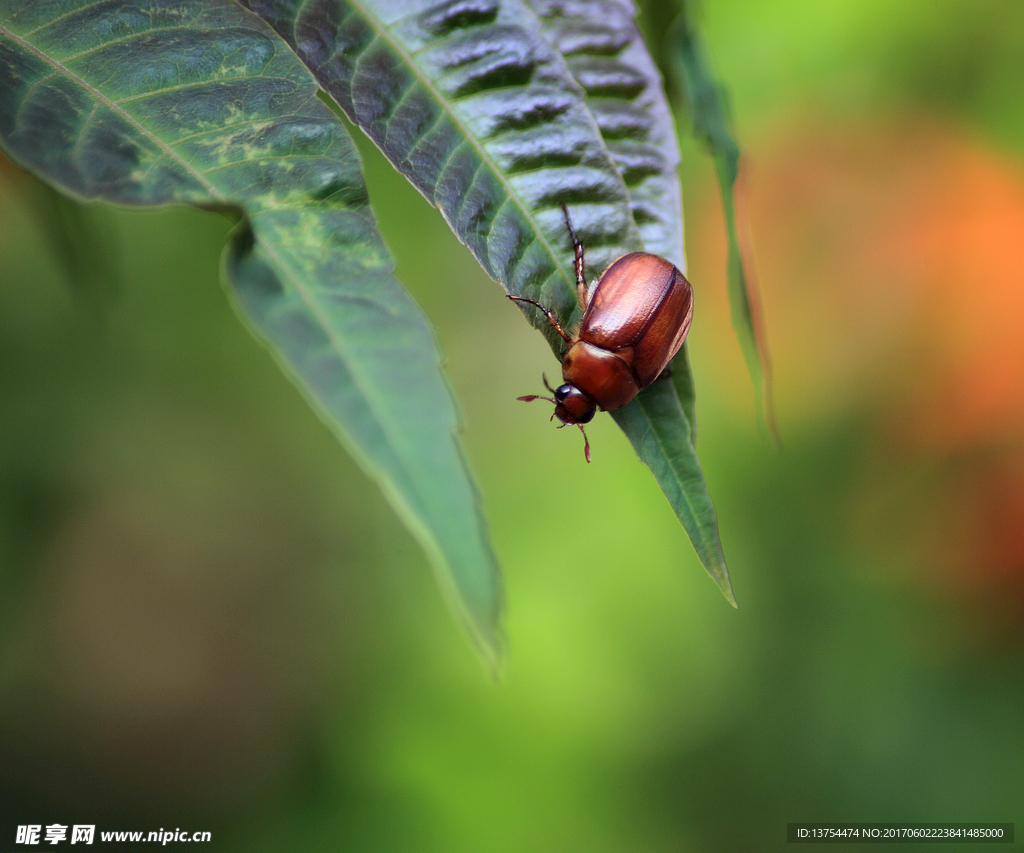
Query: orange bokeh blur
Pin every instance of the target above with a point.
(891, 260)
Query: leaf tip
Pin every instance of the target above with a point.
(491, 647)
(721, 577)
(727, 592)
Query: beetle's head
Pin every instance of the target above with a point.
(572, 406)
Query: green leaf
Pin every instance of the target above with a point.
(200, 102)
(473, 101)
(660, 436)
(608, 57)
(710, 119)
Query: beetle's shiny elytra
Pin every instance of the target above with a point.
(635, 319)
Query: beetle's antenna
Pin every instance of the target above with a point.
(582, 292)
(529, 398)
(547, 313)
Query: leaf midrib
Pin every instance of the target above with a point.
(359, 380)
(417, 517)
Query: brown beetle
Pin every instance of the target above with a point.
(635, 319)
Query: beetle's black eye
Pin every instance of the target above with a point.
(572, 406)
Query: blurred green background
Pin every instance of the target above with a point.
(211, 620)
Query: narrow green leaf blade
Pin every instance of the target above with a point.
(400, 424)
(200, 102)
(608, 57)
(710, 119)
(658, 431)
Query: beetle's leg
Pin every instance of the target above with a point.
(548, 314)
(582, 291)
(586, 441)
(665, 374)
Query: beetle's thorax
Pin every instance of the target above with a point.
(602, 375)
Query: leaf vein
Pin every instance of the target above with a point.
(100, 97)
(198, 84)
(59, 18)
